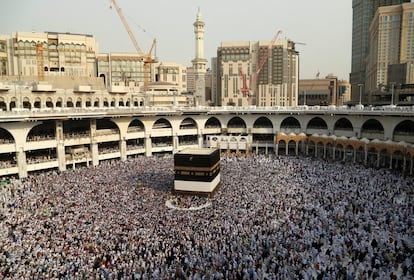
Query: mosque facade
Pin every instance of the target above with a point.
(68, 138)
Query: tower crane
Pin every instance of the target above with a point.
(147, 58)
(246, 89)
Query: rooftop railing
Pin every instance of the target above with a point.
(111, 111)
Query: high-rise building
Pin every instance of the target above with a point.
(391, 50)
(363, 13)
(51, 54)
(199, 62)
(121, 72)
(276, 84)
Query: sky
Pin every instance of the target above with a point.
(324, 26)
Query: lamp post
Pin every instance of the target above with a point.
(304, 97)
(392, 93)
(360, 93)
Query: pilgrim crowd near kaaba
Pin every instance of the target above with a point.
(271, 218)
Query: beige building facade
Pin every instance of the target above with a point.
(275, 85)
(327, 91)
(174, 73)
(391, 42)
(50, 54)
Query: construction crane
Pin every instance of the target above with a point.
(147, 58)
(246, 89)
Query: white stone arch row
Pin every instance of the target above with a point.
(51, 102)
(352, 148)
(357, 128)
(200, 122)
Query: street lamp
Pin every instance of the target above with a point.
(392, 93)
(304, 97)
(360, 93)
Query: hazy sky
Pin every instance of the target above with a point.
(324, 25)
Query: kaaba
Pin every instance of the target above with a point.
(197, 171)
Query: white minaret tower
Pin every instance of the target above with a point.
(199, 62)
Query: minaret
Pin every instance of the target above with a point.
(199, 62)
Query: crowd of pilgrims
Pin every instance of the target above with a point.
(271, 218)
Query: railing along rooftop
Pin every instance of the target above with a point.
(17, 114)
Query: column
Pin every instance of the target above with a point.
(296, 148)
(123, 149)
(333, 151)
(176, 143)
(21, 162)
(60, 150)
(148, 145)
(277, 149)
(390, 161)
(94, 144)
(200, 140)
(287, 148)
(365, 155)
(95, 154)
(404, 163)
(316, 149)
(324, 151)
(378, 159)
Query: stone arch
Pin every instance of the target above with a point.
(13, 103)
(59, 102)
(212, 122)
(136, 125)
(161, 123)
(360, 154)
(106, 123)
(404, 131)
(188, 123)
(372, 129)
(317, 123)
(5, 136)
(88, 102)
(49, 102)
(236, 122)
(343, 124)
(282, 147)
(263, 122)
(69, 103)
(37, 103)
(161, 133)
(76, 128)
(290, 124)
(397, 160)
(3, 105)
(384, 158)
(26, 103)
(291, 147)
(43, 131)
(78, 103)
